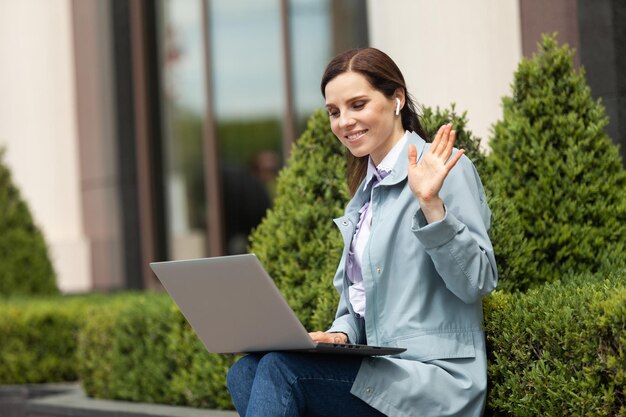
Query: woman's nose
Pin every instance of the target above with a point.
(345, 120)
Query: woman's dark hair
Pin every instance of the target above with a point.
(385, 76)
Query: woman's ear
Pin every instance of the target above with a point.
(399, 97)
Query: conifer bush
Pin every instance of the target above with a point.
(297, 241)
(24, 264)
(556, 181)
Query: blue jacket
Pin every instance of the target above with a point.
(424, 284)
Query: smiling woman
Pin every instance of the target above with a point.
(416, 262)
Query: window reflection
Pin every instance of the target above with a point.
(248, 104)
(183, 105)
(311, 49)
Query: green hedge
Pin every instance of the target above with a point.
(144, 350)
(556, 350)
(38, 337)
(559, 349)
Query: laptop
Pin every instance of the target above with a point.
(234, 307)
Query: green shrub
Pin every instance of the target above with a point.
(556, 181)
(137, 351)
(559, 349)
(123, 347)
(94, 352)
(297, 241)
(199, 378)
(142, 349)
(38, 338)
(24, 264)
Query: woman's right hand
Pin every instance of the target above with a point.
(324, 337)
(427, 175)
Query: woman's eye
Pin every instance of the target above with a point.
(333, 113)
(358, 105)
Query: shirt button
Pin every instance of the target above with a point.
(379, 270)
(368, 391)
(345, 223)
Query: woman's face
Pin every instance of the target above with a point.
(362, 117)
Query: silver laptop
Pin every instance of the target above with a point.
(234, 307)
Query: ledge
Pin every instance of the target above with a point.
(69, 400)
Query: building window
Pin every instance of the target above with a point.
(253, 83)
(248, 91)
(183, 105)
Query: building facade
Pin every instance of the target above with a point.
(152, 130)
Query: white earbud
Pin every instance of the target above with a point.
(397, 106)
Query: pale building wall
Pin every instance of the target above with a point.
(450, 51)
(38, 127)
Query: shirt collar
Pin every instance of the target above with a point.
(388, 162)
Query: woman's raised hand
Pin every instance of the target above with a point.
(426, 176)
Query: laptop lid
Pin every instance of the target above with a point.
(234, 307)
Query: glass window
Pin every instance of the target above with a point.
(183, 105)
(248, 86)
(311, 48)
(320, 29)
(248, 102)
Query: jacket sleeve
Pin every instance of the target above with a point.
(459, 244)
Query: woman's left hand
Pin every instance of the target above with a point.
(426, 176)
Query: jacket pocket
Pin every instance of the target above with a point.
(437, 345)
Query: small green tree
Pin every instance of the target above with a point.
(24, 264)
(297, 241)
(556, 180)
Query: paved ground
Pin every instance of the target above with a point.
(74, 403)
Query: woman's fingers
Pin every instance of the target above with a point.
(450, 143)
(452, 162)
(438, 135)
(440, 149)
(325, 337)
(442, 138)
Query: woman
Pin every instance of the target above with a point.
(416, 263)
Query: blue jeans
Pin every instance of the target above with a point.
(280, 384)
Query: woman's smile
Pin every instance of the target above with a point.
(354, 136)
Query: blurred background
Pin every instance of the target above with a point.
(142, 130)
